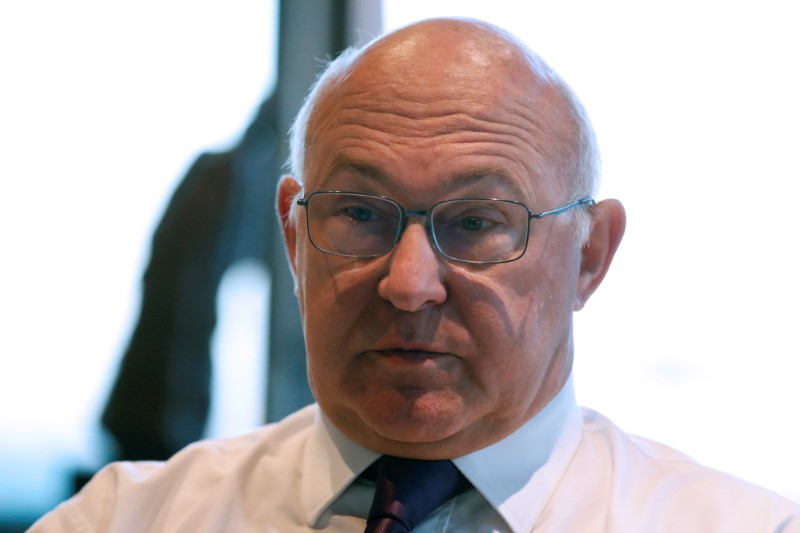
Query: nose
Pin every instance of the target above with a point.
(413, 280)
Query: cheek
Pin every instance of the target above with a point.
(504, 304)
(335, 294)
(513, 312)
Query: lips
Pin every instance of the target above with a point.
(416, 356)
(408, 355)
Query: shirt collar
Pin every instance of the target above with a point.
(331, 462)
(516, 475)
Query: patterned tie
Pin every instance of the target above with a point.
(408, 490)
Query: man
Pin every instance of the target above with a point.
(441, 227)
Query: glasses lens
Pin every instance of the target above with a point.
(482, 231)
(352, 224)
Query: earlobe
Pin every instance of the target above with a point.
(608, 227)
(288, 189)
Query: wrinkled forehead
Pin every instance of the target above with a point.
(454, 69)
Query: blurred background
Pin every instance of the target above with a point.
(143, 298)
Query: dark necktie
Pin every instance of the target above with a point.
(408, 490)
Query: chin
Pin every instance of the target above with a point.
(425, 421)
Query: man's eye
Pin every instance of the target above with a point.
(361, 214)
(472, 223)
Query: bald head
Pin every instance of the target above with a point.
(459, 46)
(467, 67)
(458, 51)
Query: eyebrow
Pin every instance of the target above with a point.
(347, 165)
(464, 178)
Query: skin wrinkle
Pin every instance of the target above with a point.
(456, 120)
(523, 191)
(476, 124)
(344, 166)
(461, 125)
(420, 329)
(522, 150)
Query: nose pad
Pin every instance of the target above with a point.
(414, 276)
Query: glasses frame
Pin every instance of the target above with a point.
(405, 213)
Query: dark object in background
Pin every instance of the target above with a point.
(160, 400)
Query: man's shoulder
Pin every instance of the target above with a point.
(275, 440)
(605, 436)
(646, 458)
(667, 483)
(213, 458)
(202, 476)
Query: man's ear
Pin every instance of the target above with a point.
(608, 226)
(288, 189)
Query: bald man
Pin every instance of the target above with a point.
(441, 223)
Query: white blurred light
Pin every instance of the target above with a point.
(103, 107)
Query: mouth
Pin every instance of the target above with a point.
(408, 356)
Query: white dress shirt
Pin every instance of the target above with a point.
(566, 470)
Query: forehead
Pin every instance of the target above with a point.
(451, 104)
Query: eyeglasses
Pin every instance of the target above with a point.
(470, 230)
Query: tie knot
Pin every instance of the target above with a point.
(408, 490)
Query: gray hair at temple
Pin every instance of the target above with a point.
(583, 167)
